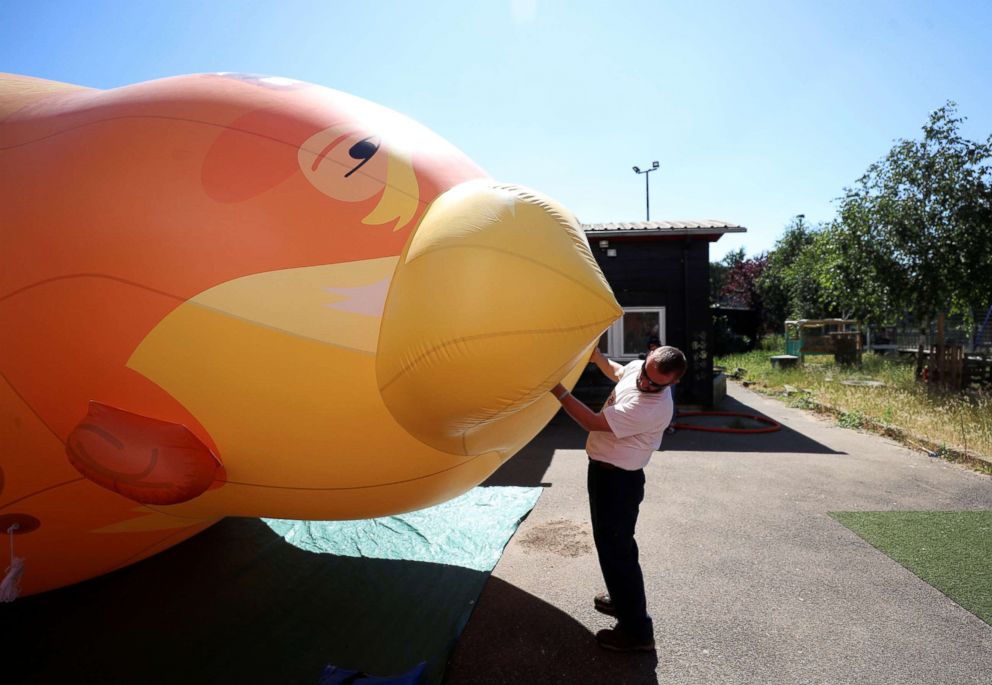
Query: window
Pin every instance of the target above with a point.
(628, 337)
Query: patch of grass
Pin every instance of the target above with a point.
(851, 419)
(950, 550)
(772, 343)
(801, 401)
(961, 422)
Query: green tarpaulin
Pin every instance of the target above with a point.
(240, 604)
(469, 531)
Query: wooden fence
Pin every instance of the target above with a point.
(948, 366)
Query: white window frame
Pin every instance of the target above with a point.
(614, 334)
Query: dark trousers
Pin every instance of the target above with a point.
(615, 497)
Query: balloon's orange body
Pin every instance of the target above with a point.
(226, 295)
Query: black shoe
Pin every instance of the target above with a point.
(604, 604)
(619, 641)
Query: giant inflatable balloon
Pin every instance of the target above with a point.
(228, 295)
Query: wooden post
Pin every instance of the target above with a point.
(955, 367)
(924, 340)
(938, 360)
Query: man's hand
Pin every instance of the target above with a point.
(609, 368)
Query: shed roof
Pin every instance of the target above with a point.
(651, 228)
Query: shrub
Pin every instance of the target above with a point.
(851, 419)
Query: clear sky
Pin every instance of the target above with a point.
(756, 110)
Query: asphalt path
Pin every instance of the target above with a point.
(748, 578)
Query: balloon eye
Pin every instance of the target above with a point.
(343, 147)
(364, 150)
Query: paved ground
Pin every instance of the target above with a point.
(748, 579)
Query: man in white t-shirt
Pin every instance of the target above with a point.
(622, 438)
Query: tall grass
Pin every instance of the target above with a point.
(953, 422)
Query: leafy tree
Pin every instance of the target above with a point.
(740, 288)
(734, 258)
(790, 287)
(915, 233)
(805, 278)
(852, 286)
(718, 273)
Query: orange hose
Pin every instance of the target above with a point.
(771, 426)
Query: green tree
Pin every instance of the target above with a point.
(915, 233)
(852, 286)
(734, 258)
(790, 287)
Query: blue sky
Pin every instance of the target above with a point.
(756, 110)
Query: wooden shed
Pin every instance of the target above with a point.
(660, 274)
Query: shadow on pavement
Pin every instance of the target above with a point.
(784, 440)
(238, 604)
(516, 637)
(529, 466)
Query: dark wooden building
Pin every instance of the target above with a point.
(660, 274)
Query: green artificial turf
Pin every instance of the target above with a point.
(950, 550)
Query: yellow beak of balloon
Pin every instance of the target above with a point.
(495, 299)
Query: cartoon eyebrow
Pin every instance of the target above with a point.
(364, 150)
(327, 148)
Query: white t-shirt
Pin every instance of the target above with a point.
(638, 420)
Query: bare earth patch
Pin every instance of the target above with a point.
(560, 536)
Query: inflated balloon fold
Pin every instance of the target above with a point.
(226, 295)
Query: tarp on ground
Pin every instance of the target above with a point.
(239, 604)
(469, 531)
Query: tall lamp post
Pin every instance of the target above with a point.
(647, 186)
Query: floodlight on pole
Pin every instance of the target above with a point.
(647, 185)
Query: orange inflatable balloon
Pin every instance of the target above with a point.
(226, 295)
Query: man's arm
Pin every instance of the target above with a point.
(609, 368)
(583, 415)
